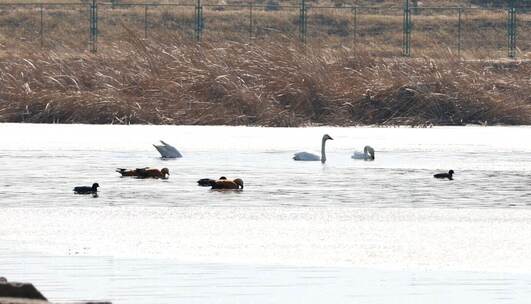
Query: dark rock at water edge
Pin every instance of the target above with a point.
(19, 290)
(26, 293)
(21, 301)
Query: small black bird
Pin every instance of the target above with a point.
(207, 182)
(87, 190)
(445, 175)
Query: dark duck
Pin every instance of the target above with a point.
(448, 175)
(86, 189)
(207, 182)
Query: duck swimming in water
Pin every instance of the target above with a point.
(226, 183)
(206, 182)
(167, 151)
(87, 190)
(368, 154)
(305, 156)
(448, 175)
(164, 173)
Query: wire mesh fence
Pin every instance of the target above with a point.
(523, 32)
(461, 30)
(385, 30)
(145, 21)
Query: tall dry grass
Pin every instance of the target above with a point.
(270, 83)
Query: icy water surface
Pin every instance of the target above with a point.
(493, 165)
(346, 231)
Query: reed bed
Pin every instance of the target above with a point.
(267, 83)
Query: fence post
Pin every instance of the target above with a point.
(93, 26)
(145, 20)
(198, 20)
(406, 40)
(250, 21)
(355, 24)
(42, 25)
(303, 23)
(511, 30)
(459, 35)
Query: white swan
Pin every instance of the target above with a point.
(305, 156)
(368, 154)
(167, 151)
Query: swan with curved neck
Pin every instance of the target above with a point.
(305, 156)
(368, 154)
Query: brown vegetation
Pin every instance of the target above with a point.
(270, 84)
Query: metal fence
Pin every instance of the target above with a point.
(404, 29)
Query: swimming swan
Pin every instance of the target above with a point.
(167, 151)
(368, 154)
(305, 156)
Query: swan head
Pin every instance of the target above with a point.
(165, 171)
(327, 137)
(239, 182)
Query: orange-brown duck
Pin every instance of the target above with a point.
(145, 172)
(227, 183)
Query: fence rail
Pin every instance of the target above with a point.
(421, 27)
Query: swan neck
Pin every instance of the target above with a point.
(323, 151)
(369, 152)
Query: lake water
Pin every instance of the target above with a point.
(346, 231)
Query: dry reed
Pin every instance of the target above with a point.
(273, 83)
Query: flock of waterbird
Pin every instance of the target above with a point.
(168, 151)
